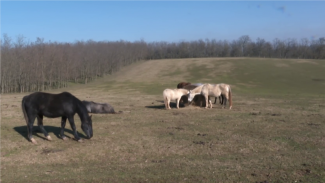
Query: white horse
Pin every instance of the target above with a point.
(215, 100)
(173, 94)
(209, 90)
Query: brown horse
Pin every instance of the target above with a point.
(173, 94)
(182, 84)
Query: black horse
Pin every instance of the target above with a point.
(65, 105)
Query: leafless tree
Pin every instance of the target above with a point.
(40, 65)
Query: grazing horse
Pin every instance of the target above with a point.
(93, 107)
(182, 84)
(173, 94)
(194, 85)
(65, 105)
(209, 90)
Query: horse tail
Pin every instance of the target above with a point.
(24, 110)
(230, 98)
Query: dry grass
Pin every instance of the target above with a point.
(265, 138)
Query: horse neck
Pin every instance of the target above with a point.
(82, 112)
(198, 89)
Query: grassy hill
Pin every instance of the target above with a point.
(257, 75)
(274, 133)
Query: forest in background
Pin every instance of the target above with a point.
(38, 66)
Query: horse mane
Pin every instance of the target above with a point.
(81, 109)
(198, 88)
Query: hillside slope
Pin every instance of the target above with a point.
(258, 75)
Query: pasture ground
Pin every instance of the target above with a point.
(274, 133)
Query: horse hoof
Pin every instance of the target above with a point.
(33, 141)
(64, 138)
(80, 140)
(49, 138)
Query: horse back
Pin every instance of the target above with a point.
(51, 105)
(174, 94)
(211, 90)
(182, 84)
(224, 88)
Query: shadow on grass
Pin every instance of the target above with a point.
(22, 130)
(171, 104)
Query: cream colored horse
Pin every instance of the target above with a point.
(210, 90)
(173, 94)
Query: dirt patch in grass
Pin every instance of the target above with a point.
(305, 61)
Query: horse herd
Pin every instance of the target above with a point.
(187, 92)
(66, 105)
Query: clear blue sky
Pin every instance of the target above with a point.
(171, 21)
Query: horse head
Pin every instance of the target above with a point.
(191, 95)
(87, 127)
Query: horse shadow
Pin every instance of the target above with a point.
(22, 130)
(162, 106)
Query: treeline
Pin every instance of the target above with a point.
(39, 66)
(242, 47)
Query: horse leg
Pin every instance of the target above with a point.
(63, 122)
(177, 103)
(40, 125)
(31, 119)
(221, 99)
(168, 103)
(215, 100)
(74, 129)
(224, 102)
(207, 101)
(210, 102)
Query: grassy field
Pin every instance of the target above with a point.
(274, 133)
